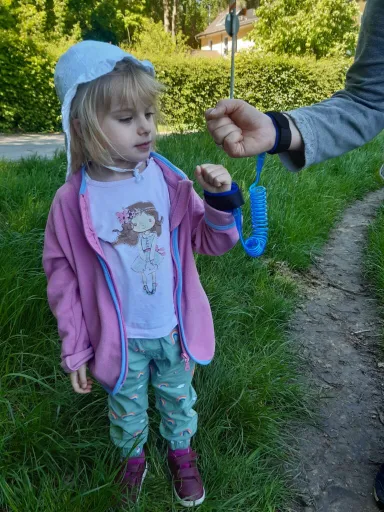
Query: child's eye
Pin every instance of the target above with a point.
(125, 120)
(148, 115)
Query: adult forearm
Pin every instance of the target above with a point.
(352, 116)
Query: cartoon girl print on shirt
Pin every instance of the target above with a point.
(141, 226)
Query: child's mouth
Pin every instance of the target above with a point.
(144, 147)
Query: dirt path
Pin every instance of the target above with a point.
(339, 331)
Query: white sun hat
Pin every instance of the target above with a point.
(83, 63)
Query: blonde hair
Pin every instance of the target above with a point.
(130, 84)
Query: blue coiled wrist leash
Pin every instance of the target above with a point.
(255, 245)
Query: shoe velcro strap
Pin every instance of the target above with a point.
(186, 459)
(187, 473)
(134, 468)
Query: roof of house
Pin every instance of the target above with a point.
(218, 24)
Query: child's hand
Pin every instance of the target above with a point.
(80, 383)
(213, 178)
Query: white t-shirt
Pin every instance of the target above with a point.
(131, 220)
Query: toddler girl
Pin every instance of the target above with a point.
(118, 254)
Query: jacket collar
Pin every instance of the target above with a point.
(179, 187)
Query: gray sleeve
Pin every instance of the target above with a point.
(353, 116)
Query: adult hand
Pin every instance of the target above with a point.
(240, 129)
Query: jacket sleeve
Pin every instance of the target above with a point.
(353, 116)
(63, 293)
(214, 232)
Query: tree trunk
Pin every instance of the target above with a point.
(166, 15)
(174, 19)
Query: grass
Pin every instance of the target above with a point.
(375, 256)
(55, 451)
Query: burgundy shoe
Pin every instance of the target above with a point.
(132, 476)
(187, 484)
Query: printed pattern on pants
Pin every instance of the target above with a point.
(157, 361)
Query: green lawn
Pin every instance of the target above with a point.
(55, 451)
(375, 257)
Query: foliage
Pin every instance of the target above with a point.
(153, 41)
(27, 98)
(195, 16)
(32, 17)
(270, 83)
(116, 21)
(50, 20)
(299, 27)
(7, 15)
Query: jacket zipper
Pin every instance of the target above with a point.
(116, 304)
(184, 354)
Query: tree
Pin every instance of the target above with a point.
(153, 40)
(8, 19)
(298, 27)
(31, 17)
(154, 10)
(118, 21)
(196, 15)
(113, 21)
(106, 20)
(166, 9)
(133, 17)
(174, 19)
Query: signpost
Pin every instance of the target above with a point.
(232, 25)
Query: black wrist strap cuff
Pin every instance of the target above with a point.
(225, 201)
(283, 132)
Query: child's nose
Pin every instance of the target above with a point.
(144, 125)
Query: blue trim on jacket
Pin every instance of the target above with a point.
(113, 293)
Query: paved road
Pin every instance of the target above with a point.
(13, 147)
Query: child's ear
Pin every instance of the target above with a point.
(77, 127)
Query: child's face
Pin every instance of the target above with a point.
(131, 131)
(143, 222)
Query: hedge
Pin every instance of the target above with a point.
(269, 83)
(28, 101)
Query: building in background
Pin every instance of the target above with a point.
(215, 38)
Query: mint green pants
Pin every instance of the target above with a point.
(159, 361)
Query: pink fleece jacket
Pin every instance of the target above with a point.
(82, 292)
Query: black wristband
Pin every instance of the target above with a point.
(283, 132)
(225, 201)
